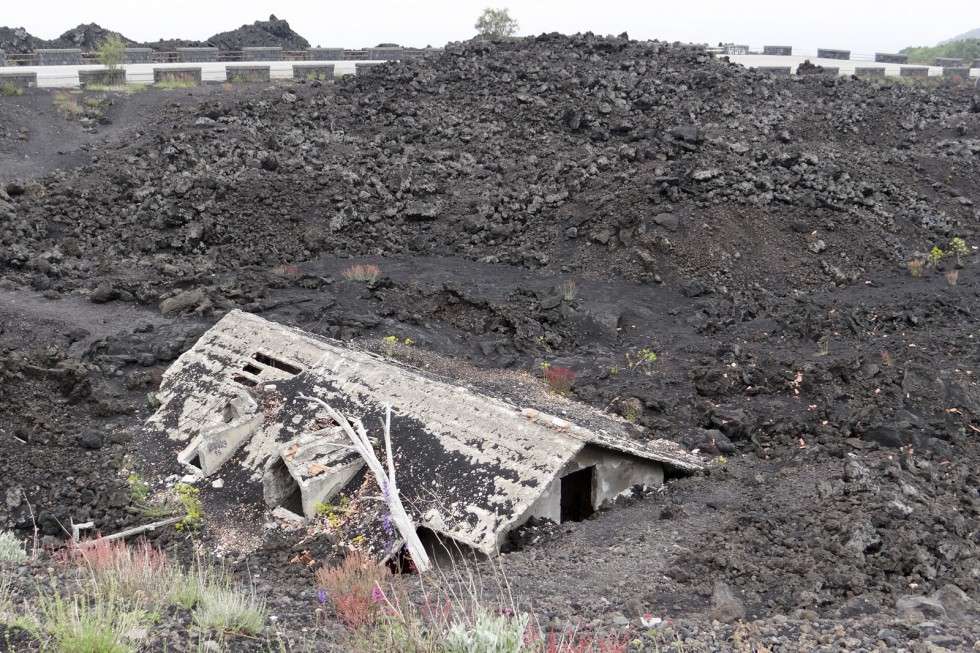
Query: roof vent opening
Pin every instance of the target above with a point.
(195, 461)
(443, 552)
(275, 363)
(244, 381)
(281, 490)
(577, 491)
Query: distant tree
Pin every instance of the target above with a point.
(111, 52)
(496, 23)
(967, 49)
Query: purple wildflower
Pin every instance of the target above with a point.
(322, 596)
(386, 524)
(378, 596)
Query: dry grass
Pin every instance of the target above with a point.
(362, 272)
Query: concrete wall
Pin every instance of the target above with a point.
(385, 54)
(961, 72)
(261, 54)
(947, 62)
(3, 59)
(824, 53)
(736, 49)
(882, 57)
(18, 80)
(326, 54)
(321, 72)
(59, 57)
(138, 55)
(874, 71)
(976, 63)
(778, 71)
(198, 55)
(102, 76)
(778, 50)
(614, 474)
(361, 67)
(183, 74)
(913, 71)
(247, 73)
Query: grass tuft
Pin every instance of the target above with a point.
(366, 273)
(80, 625)
(229, 609)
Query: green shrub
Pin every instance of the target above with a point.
(6, 90)
(11, 550)
(487, 633)
(111, 53)
(193, 509)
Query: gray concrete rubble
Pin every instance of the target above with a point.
(470, 467)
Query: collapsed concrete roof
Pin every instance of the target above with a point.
(470, 467)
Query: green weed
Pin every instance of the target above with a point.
(11, 550)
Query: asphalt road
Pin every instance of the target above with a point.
(67, 76)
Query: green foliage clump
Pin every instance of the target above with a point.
(193, 509)
(641, 359)
(111, 52)
(487, 633)
(496, 24)
(958, 249)
(6, 90)
(10, 548)
(966, 49)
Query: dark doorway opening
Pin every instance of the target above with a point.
(576, 495)
(281, 489)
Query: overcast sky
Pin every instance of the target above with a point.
(862, 26)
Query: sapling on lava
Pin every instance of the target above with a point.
(958, 249)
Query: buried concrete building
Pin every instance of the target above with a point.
(470, 467)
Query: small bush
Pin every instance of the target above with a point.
(958, 249)
(916, 266)
(68, 104)
(631, 409)
(559, 379)
(349, 588)
(642, 359)
(935, 256)
(567, 290)
(111, 52)
(139, 573)
(487, 633)
(952, 277)
(365, 273)
(229, 609)
(6, 90)
(193, 509)
(11, 550)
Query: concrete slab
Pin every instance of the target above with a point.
(472, 467)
